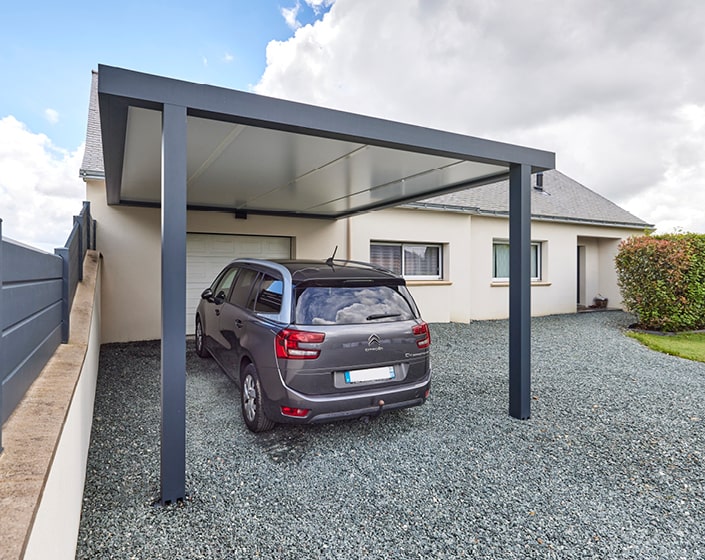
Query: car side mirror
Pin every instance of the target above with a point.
(219, 298)
(207, 294)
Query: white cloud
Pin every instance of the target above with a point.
(616, 92)
(291, 15)
(51, 115)
(227, 57)
(319, 5)
(40, 190)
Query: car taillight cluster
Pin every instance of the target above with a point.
(421, 330)
(295, 412)
(291, 344)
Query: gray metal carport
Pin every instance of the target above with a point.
(183, 146)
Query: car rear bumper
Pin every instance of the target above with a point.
(372, 402)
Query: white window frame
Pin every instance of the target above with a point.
(538, 245)
(404, 245)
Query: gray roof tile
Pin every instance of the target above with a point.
(92, 165)
(562, 199)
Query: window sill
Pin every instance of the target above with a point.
(537, 283)
(429, 283)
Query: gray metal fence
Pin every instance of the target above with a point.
(35, 305)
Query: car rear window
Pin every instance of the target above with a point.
(338, 305)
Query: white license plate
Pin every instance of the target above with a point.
(371, 374)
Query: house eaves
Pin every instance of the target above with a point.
(475, 211)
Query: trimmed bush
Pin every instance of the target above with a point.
(662, 279)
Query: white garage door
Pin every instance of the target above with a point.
(207, 254)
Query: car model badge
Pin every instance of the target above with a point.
(373, 340)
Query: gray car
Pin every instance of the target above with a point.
(315, 341)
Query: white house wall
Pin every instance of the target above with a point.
(608, 273)
(601, 274)
(467, 291)
(129, 239)
(556, 293)
(439, 301)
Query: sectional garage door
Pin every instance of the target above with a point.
(207, 254)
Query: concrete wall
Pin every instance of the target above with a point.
(46, 439)
(129, 239)
(57, 520)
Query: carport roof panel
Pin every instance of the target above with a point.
(263, 155)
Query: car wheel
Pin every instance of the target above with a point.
(200, 348)
(251, 392)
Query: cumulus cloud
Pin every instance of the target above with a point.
(615, 91)
(40, 190)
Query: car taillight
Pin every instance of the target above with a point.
(296, 345)
(295, 412)
(423, 331)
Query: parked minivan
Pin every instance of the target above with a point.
(315, 341)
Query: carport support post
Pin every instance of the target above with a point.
(520, 291)
(173, 355)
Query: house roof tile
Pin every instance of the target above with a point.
(562, 199)
(92, 164)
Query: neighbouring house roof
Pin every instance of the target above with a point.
(561, 199)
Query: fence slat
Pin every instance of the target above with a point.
(36, 294)
(25, 264)
(2, 322)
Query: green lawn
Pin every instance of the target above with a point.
(687, 345)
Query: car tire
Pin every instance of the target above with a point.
(251, 399)
(199, 340)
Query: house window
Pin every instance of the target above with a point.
(414, 261)
(500, 260)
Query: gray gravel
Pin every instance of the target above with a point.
(610, 465)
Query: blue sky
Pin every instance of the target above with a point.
(47, 50)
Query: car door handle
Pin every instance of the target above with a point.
(238, 323)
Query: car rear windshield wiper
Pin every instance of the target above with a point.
(382, 316)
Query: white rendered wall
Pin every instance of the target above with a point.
(439, 301)
(55, 530)
(129, 239)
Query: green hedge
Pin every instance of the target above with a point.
(662, 279)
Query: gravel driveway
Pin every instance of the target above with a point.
(609, 466)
